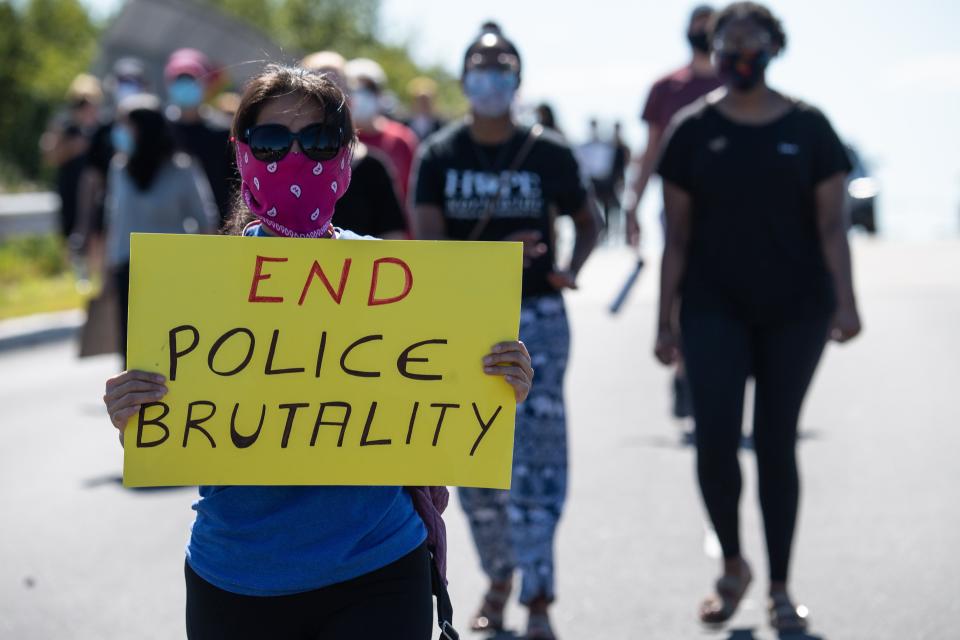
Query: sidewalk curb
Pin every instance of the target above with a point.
(42, 328)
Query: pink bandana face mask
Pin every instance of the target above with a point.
(294, 196)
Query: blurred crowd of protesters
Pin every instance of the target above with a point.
(123, 150)
(101, 138)
(604, 163)
(80, 141)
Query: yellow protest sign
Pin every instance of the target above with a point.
(305, 361)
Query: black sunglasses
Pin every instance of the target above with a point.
(271, 142)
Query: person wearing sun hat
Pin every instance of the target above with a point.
(65, 143)
(424, 119)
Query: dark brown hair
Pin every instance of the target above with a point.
(154, 146)
(274, 82)
(154, 143)
(757, 13)
(482, 48)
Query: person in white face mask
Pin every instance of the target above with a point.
(489, 178)
(394, 140)
(371, 207)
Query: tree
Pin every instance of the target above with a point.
(11, 53)
(44, 44)
(341, 25)
(256, 12)
(61, 41)
(349, 27)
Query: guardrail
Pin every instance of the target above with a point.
(22, 213)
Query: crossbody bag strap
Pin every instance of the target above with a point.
(444, 606)
(535, 132)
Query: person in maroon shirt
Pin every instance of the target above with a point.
(395, 140)
(668, 95)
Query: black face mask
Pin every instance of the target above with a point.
(743, 69)
(699, 41)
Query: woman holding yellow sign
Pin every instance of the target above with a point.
(270, 561)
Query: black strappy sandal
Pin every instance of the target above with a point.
(538, 627)
(785, 616)
(490, 615)
(730, 589)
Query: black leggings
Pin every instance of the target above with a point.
(721, 351)
(393, 602)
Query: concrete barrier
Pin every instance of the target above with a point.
(22, 213)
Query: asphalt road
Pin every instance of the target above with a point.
(877, 551)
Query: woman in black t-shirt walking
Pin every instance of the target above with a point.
(757, 252)
(487, 178)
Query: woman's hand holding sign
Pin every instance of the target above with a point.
(512, 361)
(127, 392)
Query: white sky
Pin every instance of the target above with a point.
(886, 73)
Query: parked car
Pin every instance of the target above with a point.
(861, 195)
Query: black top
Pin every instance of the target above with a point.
(68, 183)
(68, 176)
(754, 247)
(370, 206)
(466, 179)
(210, 144)
(98, 158)
(620, 157)
(101, 149)
(426, 127)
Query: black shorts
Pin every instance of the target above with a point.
(394, 602)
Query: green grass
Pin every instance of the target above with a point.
(35, 276)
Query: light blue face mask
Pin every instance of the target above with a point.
(127, 88)
(186, 93)
(122, 139)
(490, 91)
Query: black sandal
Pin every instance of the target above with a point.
(538, 627)
(730, 589)
(786, 617)
(490, 615)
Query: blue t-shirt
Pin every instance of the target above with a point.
(270, 541)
